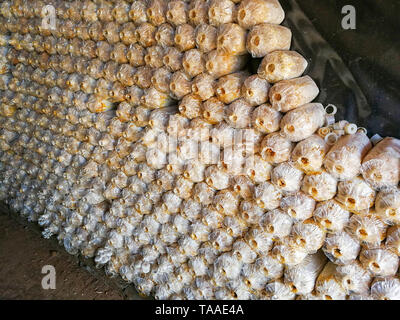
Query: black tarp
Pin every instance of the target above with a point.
(356, 70)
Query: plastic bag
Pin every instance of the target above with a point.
(356, 70)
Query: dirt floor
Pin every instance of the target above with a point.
(23, 253)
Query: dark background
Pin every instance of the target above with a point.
(356, 70)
